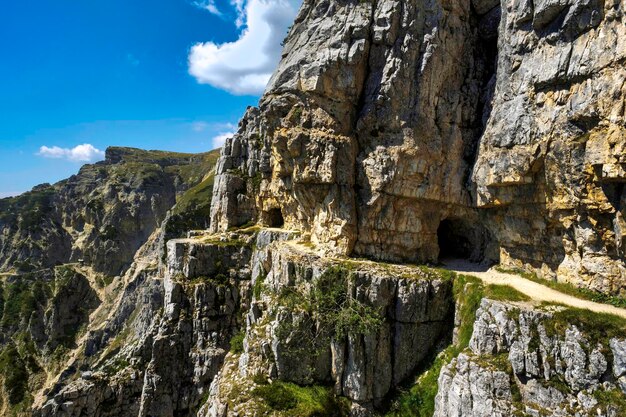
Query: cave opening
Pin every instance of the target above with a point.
(453, 243)
(464, 239)
(275, 218)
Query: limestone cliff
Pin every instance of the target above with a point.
(411, 130)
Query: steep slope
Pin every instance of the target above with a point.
(405, 131)
(66, 251)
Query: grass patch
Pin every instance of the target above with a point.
(236, 342)
(569, 289)
(14, 373)
(289, 399)
(613, 399)
(505, 293)
(259, 285)
(598, 327)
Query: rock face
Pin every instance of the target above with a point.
(488, 130)
(288, 337)
(178, 344)
(528, 361)
(78, 258)
(550, 159)
(173, 362)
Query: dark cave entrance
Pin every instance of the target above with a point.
(464, 239)
(275, 218)
(453, 243)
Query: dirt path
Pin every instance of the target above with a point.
(532, 289)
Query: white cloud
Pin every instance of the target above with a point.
(246, 65)
(241, 15)
(218, 141)
(80, 153)
(199, 126)
(208, 5)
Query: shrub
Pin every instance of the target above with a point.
(236, 342)
(15, 374)
(334, 309)
(296, 401)
(109, 233)
(277, 396)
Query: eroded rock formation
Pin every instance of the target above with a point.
(504, 119)
(529, 361)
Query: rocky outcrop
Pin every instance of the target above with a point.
(393, 317)
(363, 140)
(166, 364)
(488, 130)
(61, 247)
(383, 322)
(525, 360)
(401, 131)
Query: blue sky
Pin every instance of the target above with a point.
(76, 77)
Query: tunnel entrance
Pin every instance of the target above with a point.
(463, 239)
(275, 218)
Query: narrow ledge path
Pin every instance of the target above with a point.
(534, 290)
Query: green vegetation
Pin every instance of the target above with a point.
(504, 293)
(611, 399)
(597, 327)
(21, 299)
(193, 207)
(96, 205)
(13, 369)
(116, 365)
(196, 197)
(297, 114)
(569, 289)
(292, 400)
(257, 289)
(1, 302)
(253, 182)
(336, 310)
(109, 233)
(437, 273)
(419, 399)
(236, 342)
(219, 280)
(328, 309)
